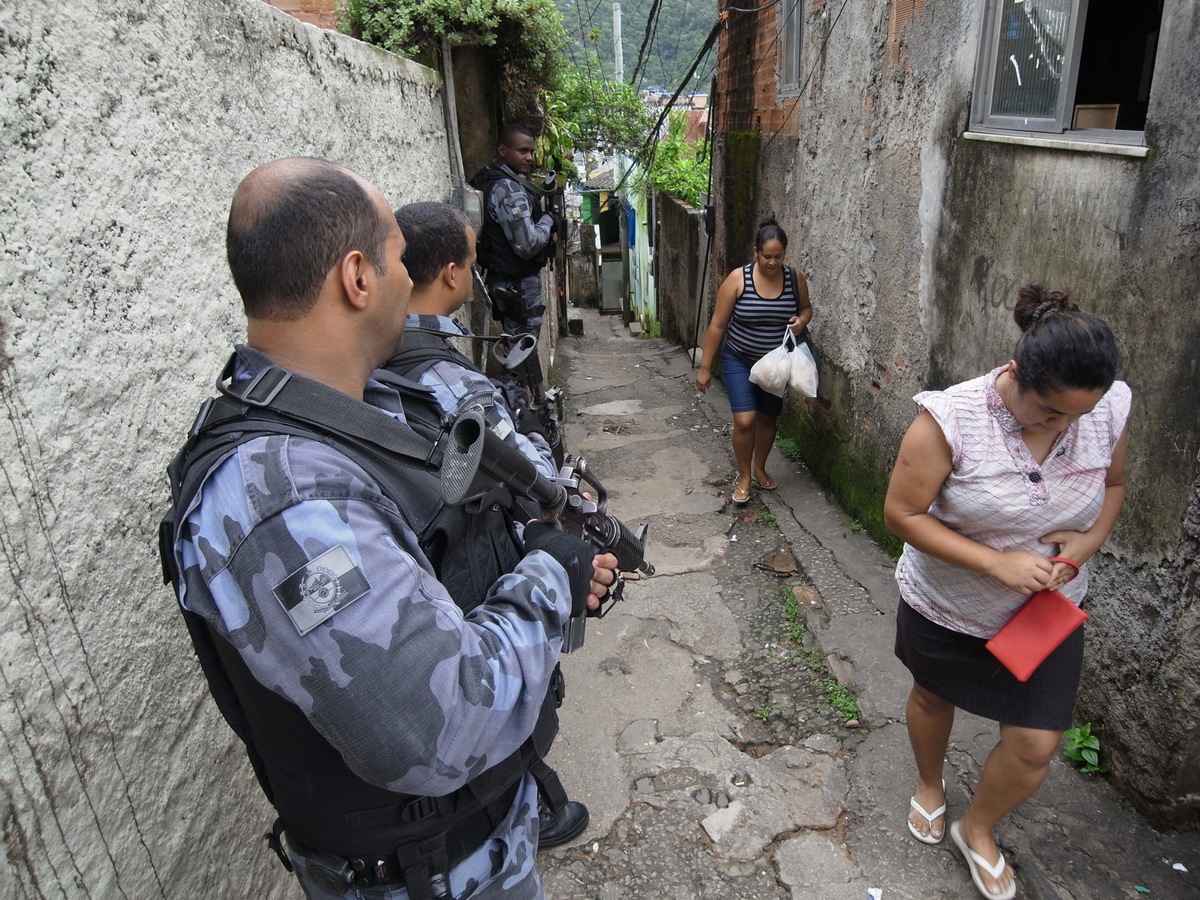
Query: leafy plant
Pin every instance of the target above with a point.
(527, 35)
(788, 447)
(603, 115)
(841, 699)
(764, 713)
(1083, 748)
(791, 614)
(856, 527)
(679, 168)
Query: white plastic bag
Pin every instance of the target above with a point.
(803, 374)
(774, 369)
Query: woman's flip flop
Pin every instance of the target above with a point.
(976, 862)
(928, 817)
(767, 484)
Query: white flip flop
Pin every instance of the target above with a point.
(976, 862)
(929, 817)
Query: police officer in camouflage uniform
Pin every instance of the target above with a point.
(439, 255)
(375, 705)
(517, 237)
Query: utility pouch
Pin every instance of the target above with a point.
(333, 873)
(506, 300)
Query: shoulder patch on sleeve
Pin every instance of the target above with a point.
(320, 588)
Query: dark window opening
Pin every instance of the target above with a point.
(1120, 40)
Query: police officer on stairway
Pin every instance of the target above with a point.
(517, 237)
(384, 657)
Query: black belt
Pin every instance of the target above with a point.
(461, 840)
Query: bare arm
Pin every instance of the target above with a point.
(727, 295)
(922, 467)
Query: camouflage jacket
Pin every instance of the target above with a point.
(516, 235)
(464, 691)
(451, 383)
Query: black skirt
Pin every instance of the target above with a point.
(959, 668)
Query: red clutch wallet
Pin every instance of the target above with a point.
(1045, 621)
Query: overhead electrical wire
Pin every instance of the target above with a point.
(808, 78)
(647, 39)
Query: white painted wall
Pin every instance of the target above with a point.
(126, 125)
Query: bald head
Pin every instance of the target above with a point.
(290, 223)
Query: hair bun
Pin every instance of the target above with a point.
(1035, 304)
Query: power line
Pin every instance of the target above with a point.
(807, 78)
(647, 38)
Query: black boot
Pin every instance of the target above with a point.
(555, 829)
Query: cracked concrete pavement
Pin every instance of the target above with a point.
(689, 796)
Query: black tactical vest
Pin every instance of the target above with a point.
(321, 802)
(495, 252)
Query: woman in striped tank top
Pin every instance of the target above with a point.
(754, 303)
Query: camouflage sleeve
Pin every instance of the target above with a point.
(293, 555)
(451, 384)
(509, 205)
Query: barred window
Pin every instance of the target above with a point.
(1053, 66)
(790, 30)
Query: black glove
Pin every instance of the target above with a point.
(527, 424)
(574, 555)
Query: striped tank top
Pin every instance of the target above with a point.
(757, 323)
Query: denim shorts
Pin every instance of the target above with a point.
(744, 394)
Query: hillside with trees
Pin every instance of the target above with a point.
(677, 34)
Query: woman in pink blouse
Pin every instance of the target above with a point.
(995, 478)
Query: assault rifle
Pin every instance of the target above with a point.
(517, 356)
(524, 387)
(475, 462)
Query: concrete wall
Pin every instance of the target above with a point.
(914, 239)
(126, 126)
(679, 258)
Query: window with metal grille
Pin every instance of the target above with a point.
(790, 30)
(1054, 66)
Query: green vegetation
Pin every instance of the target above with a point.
(764, 713)
(581, 109)
(679, 168)
(681, 29)
(856, 527)
(767, 517)
(527, 35)
(841, 698)
(789, 448)
(1083, 748)
(791, 614)
(593, 113)
(838, 695)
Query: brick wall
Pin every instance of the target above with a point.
(314, 12)
(748, 93)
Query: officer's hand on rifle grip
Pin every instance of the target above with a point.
(604, 579)
(573, 554)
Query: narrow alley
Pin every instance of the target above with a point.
(736, 724)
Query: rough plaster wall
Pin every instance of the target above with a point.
(914, 240)
(680, 263)
(860, 194)
(126, 126)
